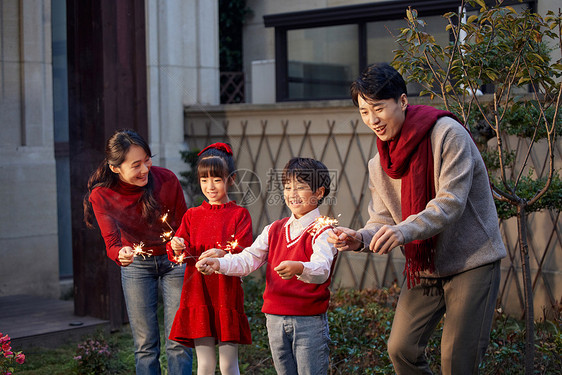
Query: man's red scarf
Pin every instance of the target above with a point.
(410, 158)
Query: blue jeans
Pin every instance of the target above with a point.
(299, 344)
(140, 287)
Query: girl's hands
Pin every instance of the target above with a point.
(208, 266)
(289, 268)
(178, 245)
(126, 256)
(212, 253)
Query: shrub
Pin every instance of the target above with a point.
(9, 358)
(360, 324)
(92, 357)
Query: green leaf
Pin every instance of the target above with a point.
(471, 19)
(409, 15)
(510, 9)
(481, 3)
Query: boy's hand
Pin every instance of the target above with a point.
(178, 245)
(345, 239)
(208, 266)
(126, 256)
(212, 253)
(289, 268)
(386, 239)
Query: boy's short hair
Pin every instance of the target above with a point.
(310, 171)
(378, 82)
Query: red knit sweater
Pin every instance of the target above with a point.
(119, 215)
(292, 297)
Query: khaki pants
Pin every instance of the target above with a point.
(469, 301)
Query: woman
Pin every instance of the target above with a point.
(135, 205)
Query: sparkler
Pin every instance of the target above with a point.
(230, 245)
(180, 259)
(323, 221)
(138, 250)
(166, 235)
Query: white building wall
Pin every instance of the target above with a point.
(29, 262)
(183, 70)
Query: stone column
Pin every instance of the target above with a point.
(28, 218)
(183, 69)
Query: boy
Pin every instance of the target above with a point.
(299, 266)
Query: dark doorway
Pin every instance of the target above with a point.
(106, 91)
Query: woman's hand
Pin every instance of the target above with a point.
(126, 255)
(212, 253)
(178, 245)
(345, 239)
(208, 266)
(289, 268)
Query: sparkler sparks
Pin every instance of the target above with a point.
(179, 259)
(182, 258)
(322, 222)
(230, 245)
(138, 250)
(166, 235)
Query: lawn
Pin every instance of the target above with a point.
(360, 323)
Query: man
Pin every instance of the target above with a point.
(429, 193)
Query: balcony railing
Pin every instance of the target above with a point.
(232, 87)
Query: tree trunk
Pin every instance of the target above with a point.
(528, 289)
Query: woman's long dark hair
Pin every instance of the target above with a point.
(116, 150)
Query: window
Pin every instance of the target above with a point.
(318, 53)
(321, 61)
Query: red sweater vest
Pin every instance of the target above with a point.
(292, 297)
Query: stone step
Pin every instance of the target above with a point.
(33, 321)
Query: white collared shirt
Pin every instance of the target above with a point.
(316, 271)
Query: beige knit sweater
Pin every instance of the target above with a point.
(462, 214)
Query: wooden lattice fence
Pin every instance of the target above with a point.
(265, 137)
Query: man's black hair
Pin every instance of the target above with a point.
(378, 82)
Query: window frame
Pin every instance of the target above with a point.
(360, 15)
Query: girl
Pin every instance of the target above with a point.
(212, 307)
(128, 196)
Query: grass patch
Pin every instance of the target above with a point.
(360, 323)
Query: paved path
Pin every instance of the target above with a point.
(37, 321)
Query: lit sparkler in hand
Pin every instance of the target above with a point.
(230, 245)
(321, 222)
(324, 221)
(166, 235)
(138, 250)
(179, 259)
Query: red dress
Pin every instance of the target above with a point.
(212, 305)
